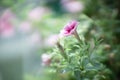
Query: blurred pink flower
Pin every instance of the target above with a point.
(37, 13)
(51, 40)
(69, 29)
(72, 6)
(26, 26)
(46, 59)
(6, 27)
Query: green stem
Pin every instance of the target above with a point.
(77, 36)
(62, 50)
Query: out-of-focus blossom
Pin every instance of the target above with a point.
(72, 6)
(111, 55)
(37, 13)
(107, 47)
(35, 39)
(7, 15)
(6, 27)
(93, 32)
(26, 26)
(51, 40)
(69, 29)
(46, 59)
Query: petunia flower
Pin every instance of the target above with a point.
(69, 29)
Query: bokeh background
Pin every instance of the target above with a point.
(28, 29)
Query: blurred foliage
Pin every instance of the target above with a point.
(100, 18)
(9, 3)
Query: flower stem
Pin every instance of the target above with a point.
(77, 36)
(62, 50)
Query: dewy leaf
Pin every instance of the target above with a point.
(84, 60)
(92, 45)
(90, 67)
(98, 66)
(77, 46)
(97, 41)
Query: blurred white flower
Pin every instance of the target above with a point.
(46, 59)
(35, 39)
(72, 6)
(25, 26)
(51, 40)
(37, 13)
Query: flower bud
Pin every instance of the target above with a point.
(46, 59)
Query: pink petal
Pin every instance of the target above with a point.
(69, 28)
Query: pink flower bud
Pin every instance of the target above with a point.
(69, 29)
(46, 59)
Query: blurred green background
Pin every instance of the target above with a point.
(27, 28)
